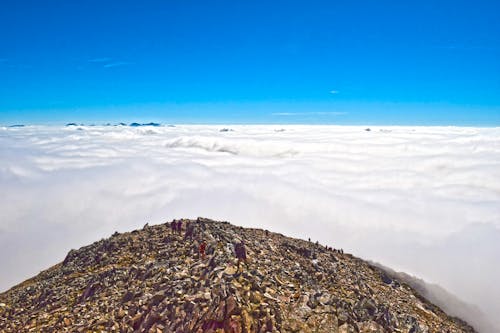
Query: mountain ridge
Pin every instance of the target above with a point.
(158, 279)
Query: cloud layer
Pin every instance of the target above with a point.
(424, 200)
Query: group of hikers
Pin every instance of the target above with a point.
(328, 248)
(176, 227)
(237, 248)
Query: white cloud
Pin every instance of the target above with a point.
(117, 64)
(425, 200)
(311, 113)
(104, 59)
(108, 63)
(334, 92)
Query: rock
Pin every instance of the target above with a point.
(385, 278)
(149, 321)
(324, 322)
(135, 321)
(89, 291)
(246, 322)
(121, 313)
(255, 297)
(342, 315)
(347, 328)
(128, 296)
(156, 299)
(370, 327)
(231, 306)
(231, 270)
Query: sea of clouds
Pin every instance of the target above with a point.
(423, 200)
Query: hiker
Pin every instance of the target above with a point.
(173, 226)
(179, 227)
(202, 249)
(189, 231)
(241, 252)
(201, 223)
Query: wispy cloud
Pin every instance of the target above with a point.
(313, 113)
(117, 64)
(104, 59)
(108, 62)
(334, 92)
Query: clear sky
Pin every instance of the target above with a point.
(340, 62)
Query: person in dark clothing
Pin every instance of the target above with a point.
(173, 226)
(241, 252)
(201, 223)
(179, 227)
(189, 231)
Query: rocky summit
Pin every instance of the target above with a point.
(161, 279)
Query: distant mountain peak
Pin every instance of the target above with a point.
(145, 124)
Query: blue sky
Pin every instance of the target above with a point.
(340, 62)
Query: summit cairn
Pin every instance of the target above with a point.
(157, 280)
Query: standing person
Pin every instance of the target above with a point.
(203, 247)
(179, 227)
(241, 252)
(189, 231)
(173, 226)
(201, 223)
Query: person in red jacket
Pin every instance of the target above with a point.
(203, 247)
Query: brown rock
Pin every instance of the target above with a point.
(370, 327)
(347, 328)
